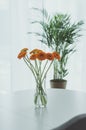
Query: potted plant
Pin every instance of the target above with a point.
(59, 34)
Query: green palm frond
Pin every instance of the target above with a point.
(59, 34)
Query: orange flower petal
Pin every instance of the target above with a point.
(49, 56)
(56, 55)
(33, 57)
(21, 55)
(41, 55)
(24, 49)
(35, 51)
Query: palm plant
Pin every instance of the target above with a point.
(60, 35)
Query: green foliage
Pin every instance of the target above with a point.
(60, 35)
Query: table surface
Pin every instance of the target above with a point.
(17, 111)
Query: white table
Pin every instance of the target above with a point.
(17, 111)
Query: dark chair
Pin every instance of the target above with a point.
(76, 123)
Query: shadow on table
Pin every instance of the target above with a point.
(76, 123)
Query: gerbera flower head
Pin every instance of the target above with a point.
(35, 51)
(49, 56)
(33, 57)
(56, 55)
(24, 50)
(22, 53)
(41, 55)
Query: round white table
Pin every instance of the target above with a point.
(17, 111)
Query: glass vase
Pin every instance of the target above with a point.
(40, 97)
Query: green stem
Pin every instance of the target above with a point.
(39, 67)
(28, 60)
(47, 71)
(36, 66)
(44, 68)
(30, 68)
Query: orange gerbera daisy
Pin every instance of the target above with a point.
(56, 55)
(21, 54)
(49, 56)
(33, 57)
(35, 51)
(24, 49)
(41, 55)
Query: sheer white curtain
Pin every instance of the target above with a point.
(22, 14)
(77, 62)
(4, 46)
(15, 17)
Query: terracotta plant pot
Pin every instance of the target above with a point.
(58, 83)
